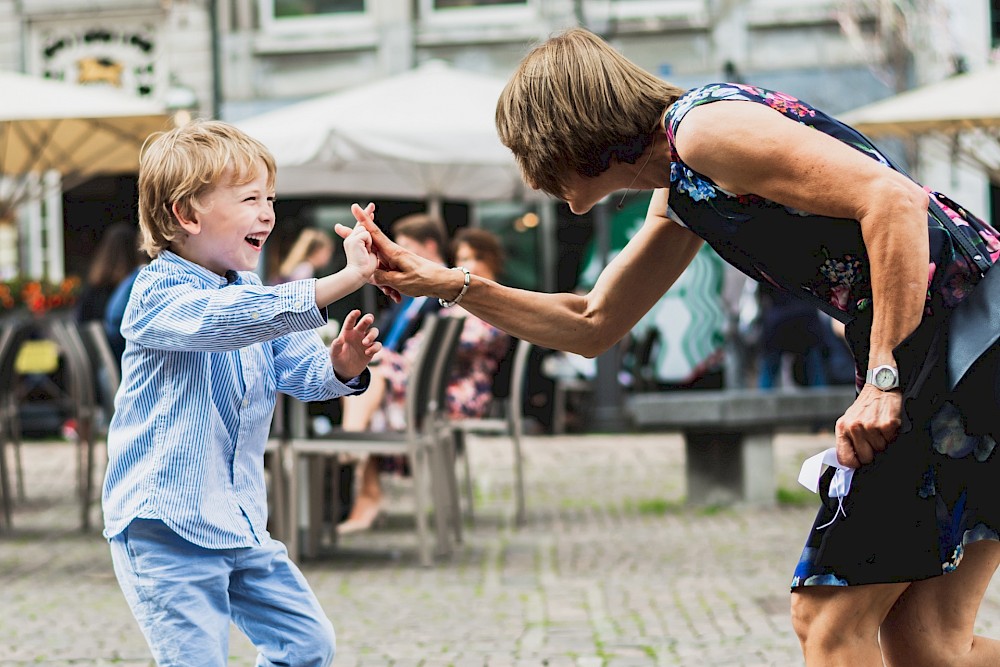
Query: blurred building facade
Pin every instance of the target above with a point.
(231, 58)
(153, 48)
(235, 58)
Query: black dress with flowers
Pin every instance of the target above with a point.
(911, 512)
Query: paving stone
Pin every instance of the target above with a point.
(611, 570)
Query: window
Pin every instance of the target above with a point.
(642, 9)
(995, 22)
(994, 204)
(303, 8)
(449, 4)
(476, 12)
(303, 16)
(517, 225)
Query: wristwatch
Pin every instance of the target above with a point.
(885, 378)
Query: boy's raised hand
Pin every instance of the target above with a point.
(355, 345)
(358, 247)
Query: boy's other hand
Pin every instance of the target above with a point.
(355, 345)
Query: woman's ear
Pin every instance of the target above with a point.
(186, 218)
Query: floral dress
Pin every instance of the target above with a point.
(911, 512)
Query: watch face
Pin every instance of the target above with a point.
(885, 377)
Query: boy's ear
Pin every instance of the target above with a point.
(186, 218)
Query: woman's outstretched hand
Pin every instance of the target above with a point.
(398, 271)
(869, 426)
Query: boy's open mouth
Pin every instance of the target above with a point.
(255, 241)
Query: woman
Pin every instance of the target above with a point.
(115, 257)
(312, 251)
(481, 347)
(792, 197)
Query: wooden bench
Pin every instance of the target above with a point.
(728, 433)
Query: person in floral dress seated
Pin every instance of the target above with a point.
(470, 389)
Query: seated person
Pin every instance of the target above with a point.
(312, 251)
(426, 236)
(790, 326)
(470, 390)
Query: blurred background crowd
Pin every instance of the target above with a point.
(392, 102)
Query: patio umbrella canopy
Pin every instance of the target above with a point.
(75, 130)
(956, 104)
(961, 114)
(425, 134)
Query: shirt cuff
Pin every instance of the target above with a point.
(355, 385)
(299, 303)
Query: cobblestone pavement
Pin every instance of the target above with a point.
(611, 570)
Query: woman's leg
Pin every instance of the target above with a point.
(367, 502)
(815, 366)
(769, 369)
(932, 623)
(356, 416)
(357, 411)
(838, 626)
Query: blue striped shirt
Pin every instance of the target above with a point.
(203, 359)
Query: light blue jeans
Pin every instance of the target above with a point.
(184, 597)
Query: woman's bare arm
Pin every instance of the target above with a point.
(585, 324)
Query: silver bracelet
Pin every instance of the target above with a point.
(465, 288)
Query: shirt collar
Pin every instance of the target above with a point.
(175, 262)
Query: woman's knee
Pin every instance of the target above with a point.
(827, 618)
(806, 611)
(908, 646)
(917, 645)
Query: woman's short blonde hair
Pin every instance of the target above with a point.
(574, 105)
(184, 164)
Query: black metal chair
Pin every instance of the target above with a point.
(506, 419)
(85, 408)
(13, 333)
(420, 442)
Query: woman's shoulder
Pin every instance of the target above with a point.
(720, 92)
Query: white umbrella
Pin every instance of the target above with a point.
(962, 113)
(50, 126)
(425, 134)
(76, 130)
(959, 103)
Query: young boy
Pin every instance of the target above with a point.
(207, 346)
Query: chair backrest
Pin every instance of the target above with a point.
(82, 380)
(104, 361)
(12, 334)
(418, 385)
(518, 374)
(640, 360)
(502, 378)
(443, 364)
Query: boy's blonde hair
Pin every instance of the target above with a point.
(184, 164)
(574, 104)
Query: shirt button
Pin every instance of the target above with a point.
(254, 316)
(246, 402)
(298, 304)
